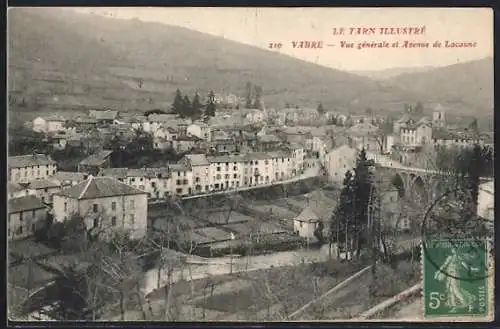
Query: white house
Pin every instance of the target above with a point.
(104, 204)
(200, 130)
(200, 167)
(182, 179)
(306, 223)
(24, 168)
(40, 125)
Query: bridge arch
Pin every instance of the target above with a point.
(419, 188)
(398, 181)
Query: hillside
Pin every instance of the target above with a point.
(467, 88)
(59, 59)
(391, 73)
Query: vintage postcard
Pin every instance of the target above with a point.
(250, 164)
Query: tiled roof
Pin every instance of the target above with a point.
(307, 215)
(197, 159)
(178, 167)
(55, 118)
(30, 160)
(25, 203)
(163, 117)
(141, 172)
(99, 187)
(96, 159)
(43, 183)
(69, 176)
(14, 187)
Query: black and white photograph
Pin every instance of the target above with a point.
(250, 164)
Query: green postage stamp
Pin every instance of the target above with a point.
(456, 278)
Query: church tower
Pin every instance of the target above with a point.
(438, 117)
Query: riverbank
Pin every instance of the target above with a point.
(254, 295)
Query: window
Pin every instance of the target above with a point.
(20, 230)
(96, 222)
(132, 204)
(113, 206)
(132, 179)
(197, 179)
(218, 168)
(131, 219)
(179, 182)
(53, 172)
(33, 213)
(178, 174)
(226, 176)
(218, 176)
(113, 221)
(185, 181)
(178, 191)
(235, 168)
(235, 175)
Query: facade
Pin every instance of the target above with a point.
(104, 116)
(338, 161)
(95, 162)
(154, 181)
(442, 137)
(43, 189)
(306, 223)
(186, 143)
(200, 130)
(26, 215)
(25, 168)
(413, 134)
(224, 172)
(181, 180)
(200, 167)
(104, 204)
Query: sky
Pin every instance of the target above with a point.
(261, 26)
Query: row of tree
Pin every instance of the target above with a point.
(194, 109)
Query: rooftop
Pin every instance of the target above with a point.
(21, 161)
(25, 203)
(307, 215)
(69, 176)
(197, 159)
(96, 159)
(99, 187)
(43, 183)
(141, 172)
(104, 115)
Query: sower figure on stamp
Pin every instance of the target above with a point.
(456, 297)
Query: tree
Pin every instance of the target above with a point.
(248, 95)
(363, 187)
(257, 102)
(196, 107)
(320, 109)
(177, 105)
(210, 106)
(186, 109)
(418, 109)
(343, 215)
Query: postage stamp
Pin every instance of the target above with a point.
(455, 274)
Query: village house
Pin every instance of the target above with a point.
(266, 143)
(95, 162)
(104, 117)
(365, 135)
(461, 139)
(44, 189)
(199, 165)
(255, 116)
(298, 152)
(16, 190)
(84, 123)
(200, 130)
(283, 166)
(155, 121)
(225, 146)
(49, 124)
(306, 224)
(58, 141)
(438, 117)
(224, 172)
(69, 178)
(338, 161)
(104, 204)
(25, 168)
(186, 143)
(155, 181)
(182, 179)
(26, 215)
(413, 134)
